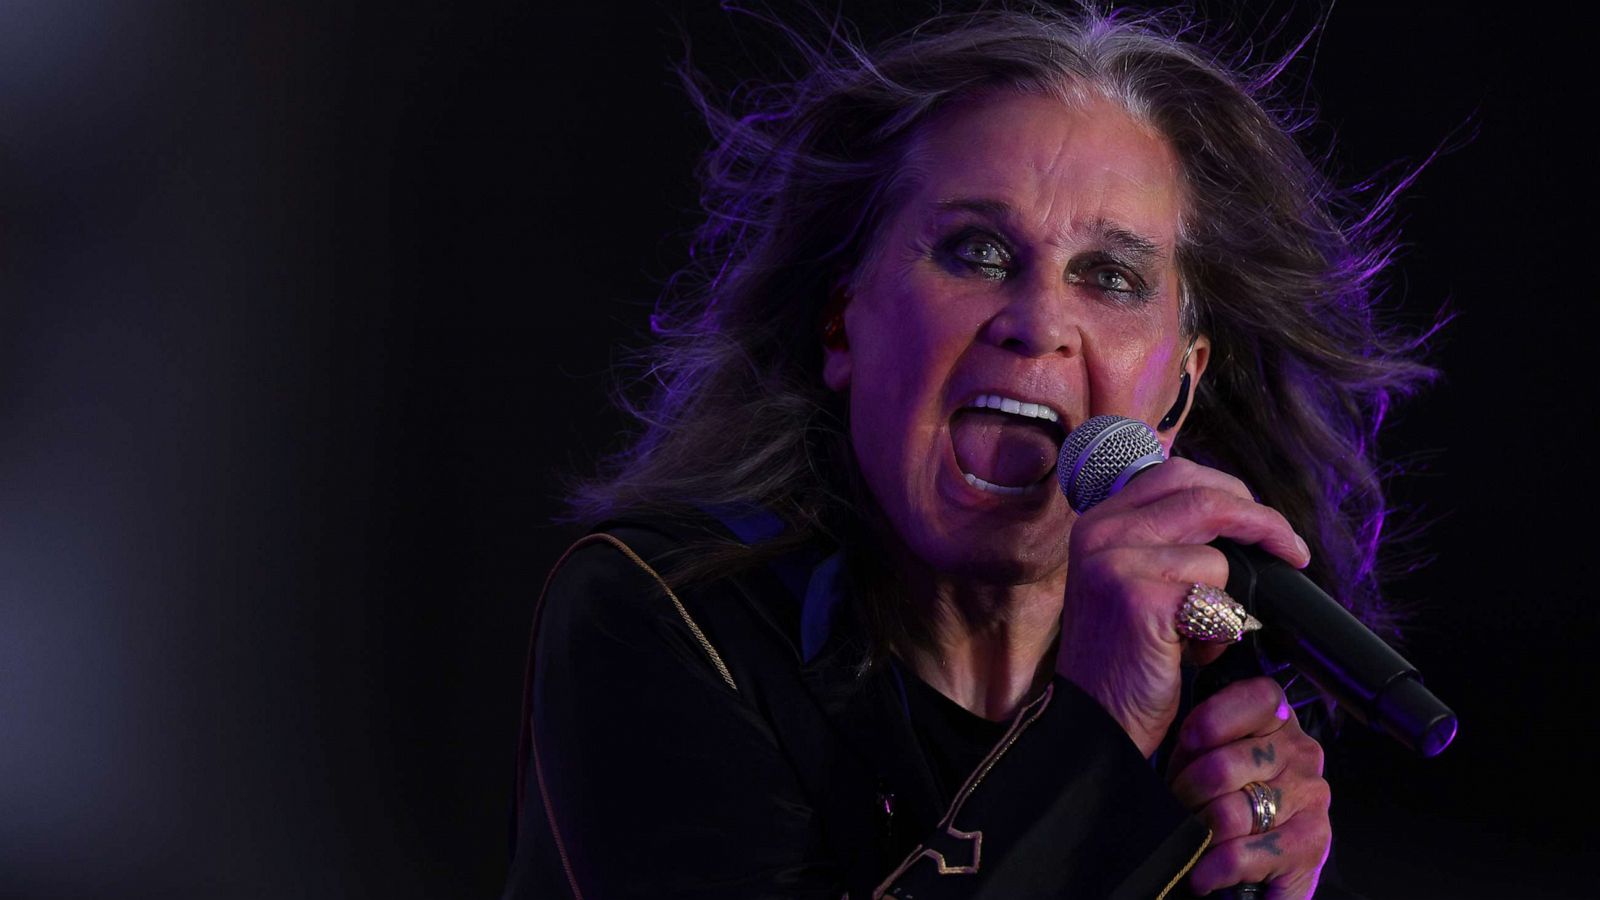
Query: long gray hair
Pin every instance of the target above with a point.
(1276, 265)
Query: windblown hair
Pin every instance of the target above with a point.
(1277, 266)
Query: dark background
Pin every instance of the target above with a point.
(305, 308)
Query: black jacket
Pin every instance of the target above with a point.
(681, 744)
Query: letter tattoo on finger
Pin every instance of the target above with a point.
(1267, 842)
(1259, 756)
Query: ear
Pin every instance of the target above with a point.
(836, 366)
(1194, 367)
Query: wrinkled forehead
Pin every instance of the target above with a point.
(1060, 162)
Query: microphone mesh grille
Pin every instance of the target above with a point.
(1114, 443)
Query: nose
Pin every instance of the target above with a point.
(1036, 321)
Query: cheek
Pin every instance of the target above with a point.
(905, 346)
(1135, 374)
(909, 342)
(1156, 385)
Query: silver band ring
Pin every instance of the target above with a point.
(1263, 808)
(1209, 614)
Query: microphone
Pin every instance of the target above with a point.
(1301, 624)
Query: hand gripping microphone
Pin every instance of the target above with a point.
(1302, 625)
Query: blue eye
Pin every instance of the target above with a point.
(981, 254)
(1112, 280)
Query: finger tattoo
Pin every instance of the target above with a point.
(1267, 842)
(1260, 756)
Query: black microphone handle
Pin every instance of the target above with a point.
(1304, 627)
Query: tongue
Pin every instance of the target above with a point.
(1001, 448)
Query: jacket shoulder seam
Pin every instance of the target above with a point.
(531, 745)
(683, 611)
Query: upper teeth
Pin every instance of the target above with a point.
(1015, 407)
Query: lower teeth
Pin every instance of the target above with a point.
(992, 488)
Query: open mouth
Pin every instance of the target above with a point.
(1006, 446)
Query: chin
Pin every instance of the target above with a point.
(1006, 553)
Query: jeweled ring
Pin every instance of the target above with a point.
(1263, 808)
(1209, 614)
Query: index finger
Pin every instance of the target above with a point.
(1177, 474)
(1181, 501)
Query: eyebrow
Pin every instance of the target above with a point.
(1118, 237)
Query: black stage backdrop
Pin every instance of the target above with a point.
(305, 309)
